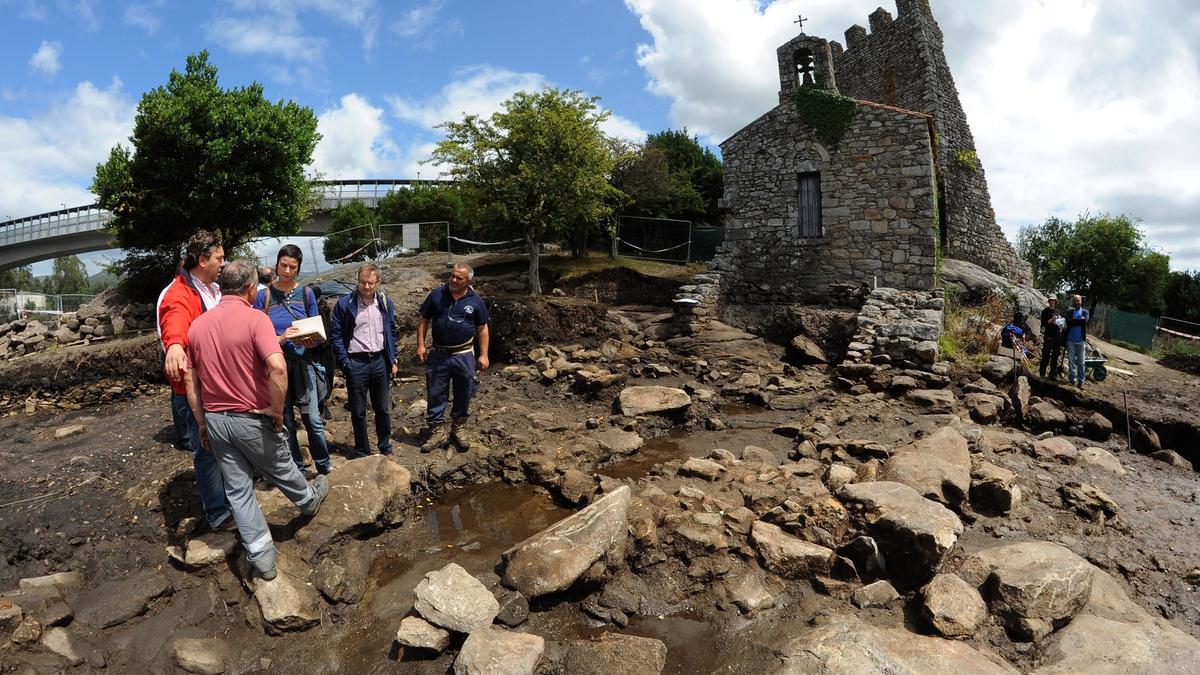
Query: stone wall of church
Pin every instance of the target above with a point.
(901, 62)
(878, 206)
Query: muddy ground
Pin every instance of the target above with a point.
(106, 502)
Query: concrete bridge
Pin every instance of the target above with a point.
(83, 229)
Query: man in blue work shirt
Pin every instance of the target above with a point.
(458, 317)
(1077, 319)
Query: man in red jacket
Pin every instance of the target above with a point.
(193, 292)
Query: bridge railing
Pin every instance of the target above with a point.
(333, 193)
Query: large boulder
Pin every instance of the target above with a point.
(287, 604)
(551, 560)
(615, 653)
(952, 606)
(420, 634)
(807, 349)
(1045, 416)
(495, 652)
(937, 466)
(653, 399)
(848, 646)
(994, 489)
(364, 495)
(1034, 586)
(789, 556)
(914, 534)
(452, 598)
(202, 656)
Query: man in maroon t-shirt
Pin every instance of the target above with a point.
(236, 388)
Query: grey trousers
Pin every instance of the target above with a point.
(242, 443)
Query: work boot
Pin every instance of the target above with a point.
(460, 436)
(436, 437)
(321, 487)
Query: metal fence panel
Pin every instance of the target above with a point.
(1136, 329)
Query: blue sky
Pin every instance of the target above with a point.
(1075, 104)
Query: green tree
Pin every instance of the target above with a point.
(205, 157)
(69, 276)
(422, 203)
(18, 278)
(541, 165)
(349, 237)
(697, 175)
(1182, 296)
(1101, 256)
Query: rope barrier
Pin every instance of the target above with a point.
(646, 250)
(487, 243)
(376, 240)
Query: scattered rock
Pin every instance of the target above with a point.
(491, 652)
(576, 487)
(839, 475)
(1145, 440)
(952, 606)
(753, 453)
(937, 466)
(1097, 427)
(452, 598)
(210, 548)
(61, 643)
(1088, 501)
(808, 350)
(202, 656)
(634, 401)
(364, 494)
(750, 592)
(914, 534)
(1019, 395)
(553, 559)
(1055, 449)
(984, 408)
(1099, 457)
(58, 580)
(514, 607)
(615, 653)
(701, 468)
(935, 400)
(997, 369)
(994, 489)
(419, 633)
(878, 594)
(287, 604)
(789, 556)
(1171, 457)
(848, 646)
(116, 602)
(69, 431)
(1044, 416)
(618, 441)
(28, 631)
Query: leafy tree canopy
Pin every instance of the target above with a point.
(1103, 257)
(19, 278)
(541, 165)
(205, 157)
(69, 276)
(1182, 296)
(697, 175)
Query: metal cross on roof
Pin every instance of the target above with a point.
(800, 21)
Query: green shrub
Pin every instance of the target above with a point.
(829, 113)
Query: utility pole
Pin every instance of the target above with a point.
(312, 248)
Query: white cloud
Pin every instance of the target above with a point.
(623, 128)
(142, 15)
(83, 12)
(48, 158)
(480, 90)
(354, 141)
(280, 37)
(422, 25)
(45, 59)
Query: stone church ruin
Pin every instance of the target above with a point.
(864, 175)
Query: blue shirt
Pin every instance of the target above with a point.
(1078, 331)
(454, 323)
(298, 303)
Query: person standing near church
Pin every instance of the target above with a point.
(193, 292)
(364, 343)
(459, 319)
(1051, 332)
(286, 301)
(1077, 320)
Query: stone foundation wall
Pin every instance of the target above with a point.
(877, 209)
(897, 328)
(106, 315)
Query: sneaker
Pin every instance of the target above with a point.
(325, 470)
(321, 487)
(436, 437)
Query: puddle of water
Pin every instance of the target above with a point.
(693, 645)
(471, 527)
(738, 409)
(653, 452)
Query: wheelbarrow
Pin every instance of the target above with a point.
(1093, 362)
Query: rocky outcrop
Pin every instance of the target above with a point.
(789, 556)
(914, 534)
(976, 284)
(937, 466)
(652, 399)
(116, 602)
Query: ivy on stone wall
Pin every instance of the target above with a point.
(967, 159)
(825, 111)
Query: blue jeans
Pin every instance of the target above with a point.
(314, 424)
(444, 372)
(208, 473)
(1075, 365)
(182, 437)
(369, 376)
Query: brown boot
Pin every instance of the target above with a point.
(436, 437)
(460, 435)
